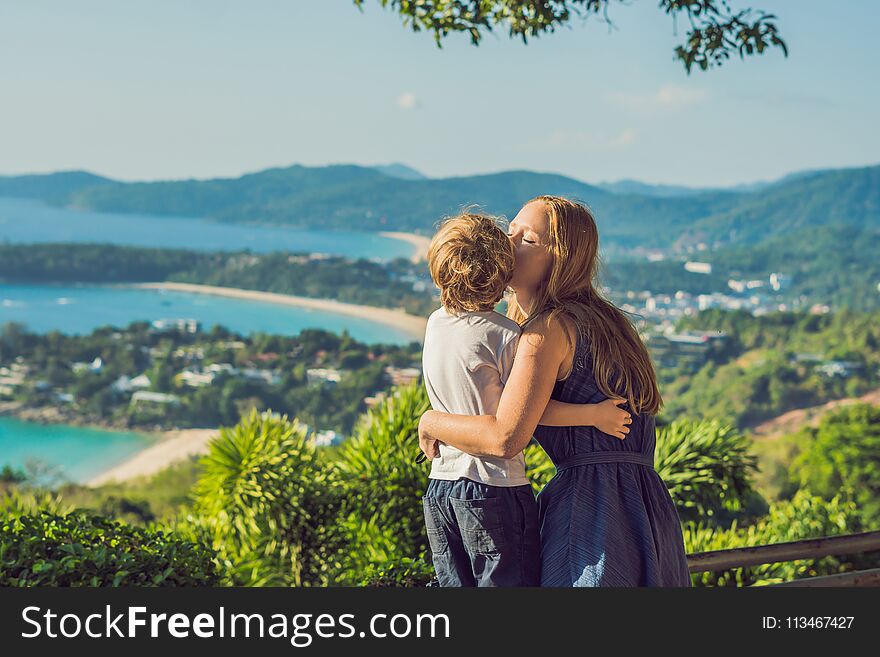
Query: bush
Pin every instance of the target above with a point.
(384, 485)
(404, 572)
(539, 468)
(78, 549)
(267, 504)
(8, 475)
(843, 453)
(708, 467)
(803, 517)
(16, 502)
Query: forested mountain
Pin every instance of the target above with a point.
(364, 198)
(845, 197)
(52, 187)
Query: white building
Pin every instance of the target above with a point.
(321, 375)
(125, 384)
(221, 368)
(10, 377)
(182, 325)
(271, 377)
(326, 438)
(403, 375)
(95, 366)
(154, 398)
(141, 381)
(196, 379)
(698, 267)
(840, 368)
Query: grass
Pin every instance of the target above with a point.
(139, 500)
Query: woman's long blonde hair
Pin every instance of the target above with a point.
(621, 363)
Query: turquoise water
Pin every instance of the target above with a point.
(24, 221)
(80, 453)
(79, 310)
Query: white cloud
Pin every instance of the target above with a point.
(407, 101)
(670, 96)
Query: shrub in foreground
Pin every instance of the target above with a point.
(78, 549)
(803, 517)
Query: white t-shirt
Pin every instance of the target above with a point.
(465, 362)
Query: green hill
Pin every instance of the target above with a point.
(364, 198)
(52, 187)
(346, 197)
(845, 197)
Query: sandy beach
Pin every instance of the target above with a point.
(410, 324)
(174, 446)
(420, 242)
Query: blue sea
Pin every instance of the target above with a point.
(79, 310)
(78, 453)
(24, 221)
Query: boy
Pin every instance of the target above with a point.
(480, 513)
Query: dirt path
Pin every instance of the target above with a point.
(794, 420)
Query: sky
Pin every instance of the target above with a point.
(171, 89)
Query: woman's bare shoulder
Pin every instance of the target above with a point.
(557, 333)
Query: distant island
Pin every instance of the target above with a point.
(346, 197)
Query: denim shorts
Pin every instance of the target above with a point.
(483, 535)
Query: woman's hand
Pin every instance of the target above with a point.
(612, 420)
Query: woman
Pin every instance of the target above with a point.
(606, 517)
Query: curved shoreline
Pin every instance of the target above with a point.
(167, 446)
(173, 446)
(420, 242)
(411, 325)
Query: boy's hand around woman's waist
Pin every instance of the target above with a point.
(611, 419)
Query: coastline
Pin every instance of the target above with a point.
(420, 242)
(173, 446)
(412, 325)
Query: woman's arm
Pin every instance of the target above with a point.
(541, 352)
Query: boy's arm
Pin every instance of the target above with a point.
(605, 416)
(562, 414)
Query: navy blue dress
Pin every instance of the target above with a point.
(607, 518)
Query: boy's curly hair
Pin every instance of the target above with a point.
(471, 260)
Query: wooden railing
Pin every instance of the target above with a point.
(809, 549)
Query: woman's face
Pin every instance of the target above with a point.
(530, 233)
